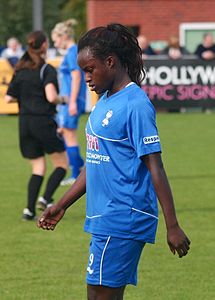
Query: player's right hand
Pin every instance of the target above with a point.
(50, 217)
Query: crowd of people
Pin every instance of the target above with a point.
(205, 50)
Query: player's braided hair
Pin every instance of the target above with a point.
(117, 39)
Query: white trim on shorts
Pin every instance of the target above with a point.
(102, 258)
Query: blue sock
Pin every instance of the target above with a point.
(75, 160)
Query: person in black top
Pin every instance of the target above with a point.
(173, 49)
(206, 50)
(145, 46)
(34, 85)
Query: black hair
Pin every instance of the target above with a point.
(117, 39)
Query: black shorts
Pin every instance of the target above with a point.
(38, 135)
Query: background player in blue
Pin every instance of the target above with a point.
(124, 172)
(72, 84)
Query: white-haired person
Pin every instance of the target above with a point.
(13, 52)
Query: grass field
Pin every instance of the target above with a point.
(43, 265)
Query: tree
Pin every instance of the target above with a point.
(15, 19)
(75, 9)
(16, 16)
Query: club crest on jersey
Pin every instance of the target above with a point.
(109, 114)
(151, 139)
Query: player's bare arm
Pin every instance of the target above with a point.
(10, 99)
(54, 214)
(176, 238)
(76, 82)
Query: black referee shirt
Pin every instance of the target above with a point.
(28, 87)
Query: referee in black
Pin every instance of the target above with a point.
(34, 85)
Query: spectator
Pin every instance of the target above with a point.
(174, 50)
(145, 47)
(13, 52)
(35, 86)
(72, 84)
(206, 50)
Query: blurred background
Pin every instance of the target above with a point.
(181, 84)
(169, 33)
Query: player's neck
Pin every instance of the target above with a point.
(70, 43)
(121, 81)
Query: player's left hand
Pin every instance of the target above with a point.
(73, 111)
(178, 241)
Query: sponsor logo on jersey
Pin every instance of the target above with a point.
(106, 120)
(92, 142)
(93, 145)
(97, 157)
(151, 139)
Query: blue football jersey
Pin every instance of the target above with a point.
(121, 199)
(68, 65)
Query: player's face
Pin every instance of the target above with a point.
(58, 40)
(99, 74)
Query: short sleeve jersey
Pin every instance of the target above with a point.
(28, 86)
(68, 65)
(121, 199)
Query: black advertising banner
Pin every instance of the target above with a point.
(173, 84)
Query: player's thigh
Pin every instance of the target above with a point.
(65, 120)
(70, 137)
(113, 261)
(95, 292)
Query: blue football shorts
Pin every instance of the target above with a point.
(113, 261)
(65, 120)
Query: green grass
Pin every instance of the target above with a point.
(43, 265)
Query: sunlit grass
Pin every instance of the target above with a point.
(36, 264)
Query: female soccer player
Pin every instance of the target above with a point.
(35, 86)
(72, 84)
(124, 172)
